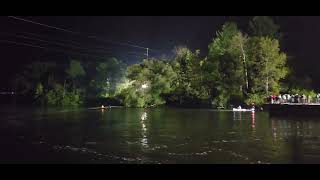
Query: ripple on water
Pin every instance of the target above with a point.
(232, 132)
(202, 153)
(224, 141)
(91, 143)
(183, 144)
(158, 147)
(38, 142)
(103, 156)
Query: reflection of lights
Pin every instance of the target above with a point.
(144, 116)
(274, 129)
(253, 120)
(290, 129)
(144, 128)
(144, 86)
(237, 116)
(144, 140)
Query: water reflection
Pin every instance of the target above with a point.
(173, 135)
(253, 121)
(282, 128)
(144, 140)
(237, 115)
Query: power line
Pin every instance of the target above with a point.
(78, 33)
(45, 25)
(41, 36)
(56, 50)
(18, 43)
(69, 41)
(77, 43)
(88, 36)
(49, 42)
(101, 50)
(45, 48)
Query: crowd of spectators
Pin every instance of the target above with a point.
(293, 98)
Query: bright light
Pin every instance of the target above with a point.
(144, 86)
(144, 117)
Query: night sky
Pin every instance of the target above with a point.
(113, 34)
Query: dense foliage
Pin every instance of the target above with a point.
(240, 67)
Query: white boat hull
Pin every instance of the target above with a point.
(242, 110)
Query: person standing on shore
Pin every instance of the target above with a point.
(296, 98)
(309, 99)
(279, 99)
(304, 98)
(288, 98)
(284, 98)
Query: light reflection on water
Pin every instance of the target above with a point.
(144, 140)
(170, 135)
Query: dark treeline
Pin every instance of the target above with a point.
(74, 84)
(240, 67)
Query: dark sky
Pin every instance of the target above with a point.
(160, 33)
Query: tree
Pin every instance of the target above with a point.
(266, 65)
(238, 50)
(226, 64)
(188, 84)
(109, 74)
(41, 81)
(149, 82)
(75, 72)
(35, 78)
(39, 92)
(75, 69)
(59, 98)
(264, 26)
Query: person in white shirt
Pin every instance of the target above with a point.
(284, 98)
(280, 98)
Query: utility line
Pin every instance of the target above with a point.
(79, 33)
(45, 48)
(71, 46)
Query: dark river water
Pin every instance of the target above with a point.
(163, 135)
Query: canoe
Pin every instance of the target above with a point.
(105, 107)
(242, 110)
(98, 108)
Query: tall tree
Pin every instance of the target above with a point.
(75, 71)
(34, 74)
(187, 65)
(238, 49)
(149, 81)
(227, 55)
(109, 74)
(267, 65)
(264, 26)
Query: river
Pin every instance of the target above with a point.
(155, 136)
